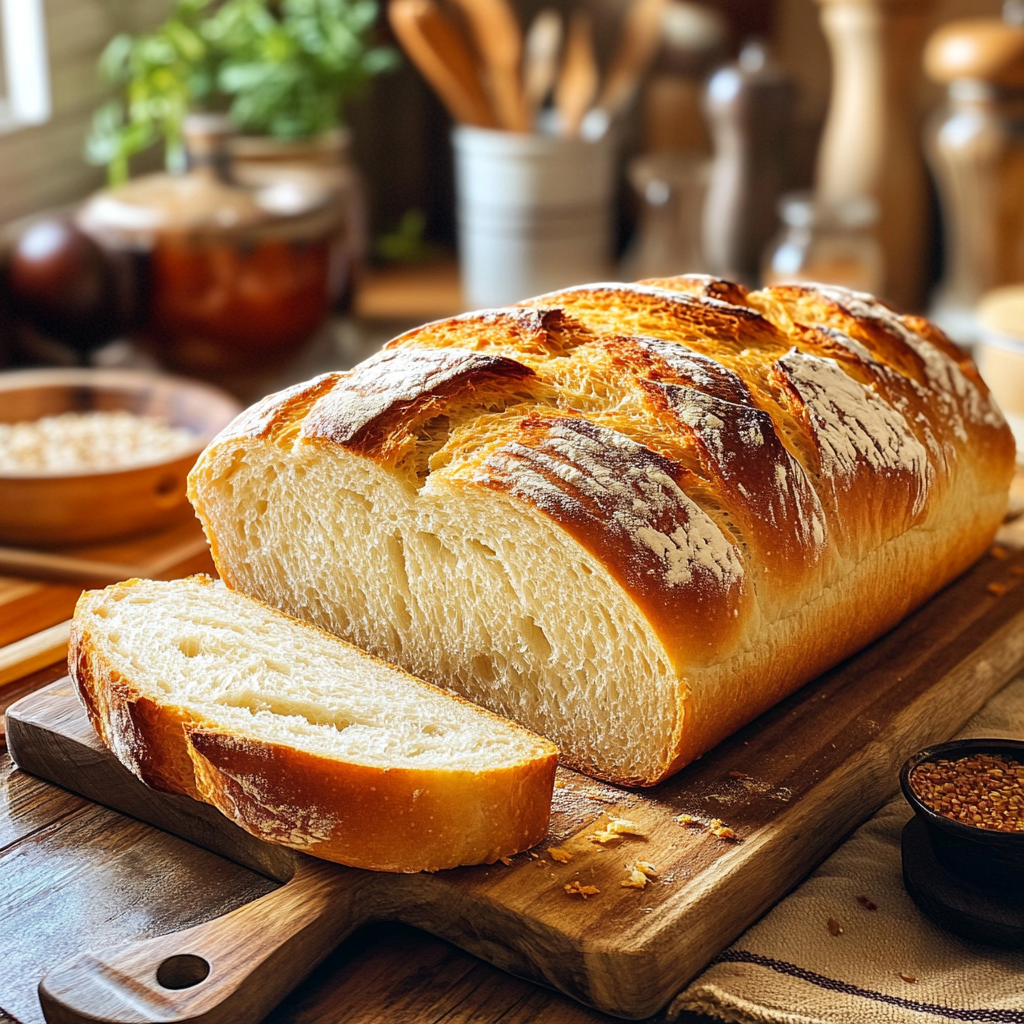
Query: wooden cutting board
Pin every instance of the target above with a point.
(790, 785)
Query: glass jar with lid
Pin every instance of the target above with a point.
(232, 279)
(832, 242)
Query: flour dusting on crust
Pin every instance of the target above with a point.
(954, 389)
(701, 371)
(853, 426)
(584, 474)
(395, 376)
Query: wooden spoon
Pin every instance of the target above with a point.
(641, 35)
(540, 65)
(578, 81)
(434, 43)
(499, 43)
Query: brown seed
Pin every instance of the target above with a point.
(866, 903)
(908, 977)
(834, 927)
(984, 790)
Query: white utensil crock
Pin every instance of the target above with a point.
(534, 213)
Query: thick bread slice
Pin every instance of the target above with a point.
(630, 517)
(300, 738)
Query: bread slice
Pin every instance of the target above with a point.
(300, 738)
(630, 517)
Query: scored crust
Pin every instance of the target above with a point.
(363, 813)
(691, 499)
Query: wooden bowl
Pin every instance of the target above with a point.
(39, 508)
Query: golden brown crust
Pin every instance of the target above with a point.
(772, 477)
(382, 818)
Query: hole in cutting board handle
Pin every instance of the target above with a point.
(182, 971)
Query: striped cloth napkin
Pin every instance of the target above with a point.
(850, 947)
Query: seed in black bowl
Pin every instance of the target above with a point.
(983, 790)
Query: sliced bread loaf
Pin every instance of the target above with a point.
(629, 517)
(299, 737)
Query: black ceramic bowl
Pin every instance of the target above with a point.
(981, 857)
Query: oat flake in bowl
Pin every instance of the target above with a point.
(75, 441)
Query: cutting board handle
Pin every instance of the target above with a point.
(233, 968)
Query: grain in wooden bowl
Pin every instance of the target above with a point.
(89, 455)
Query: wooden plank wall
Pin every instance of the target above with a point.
(42, 165)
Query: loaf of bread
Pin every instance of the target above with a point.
(629, 517)
(300, 738)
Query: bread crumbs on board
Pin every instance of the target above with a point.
(635, 879)
(576, 889)
(615, 830)
(715, 827)
(560, 855)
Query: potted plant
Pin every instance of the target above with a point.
(235, 278)
(281, 69)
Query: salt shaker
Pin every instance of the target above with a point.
(975, 145)
(749, 106)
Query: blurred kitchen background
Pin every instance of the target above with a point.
(253, 191)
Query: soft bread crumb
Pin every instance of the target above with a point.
(560, 855)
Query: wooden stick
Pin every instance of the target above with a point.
(34, 652)
(577, 83)
(434, 43)
(499, 42)
(540, 65)
(48, 565)
(641, 36)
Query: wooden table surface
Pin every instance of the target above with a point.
(74, 875)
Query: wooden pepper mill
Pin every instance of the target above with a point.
(976, 149)
(749, 106)
(870, 145)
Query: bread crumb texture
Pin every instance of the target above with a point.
(629, 516)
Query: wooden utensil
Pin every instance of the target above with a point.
(540, 63)
(434, 43)
(792, 785)
(95, 572)
(578, 80)
(34, 652)
(499, 42)
(641, 36)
